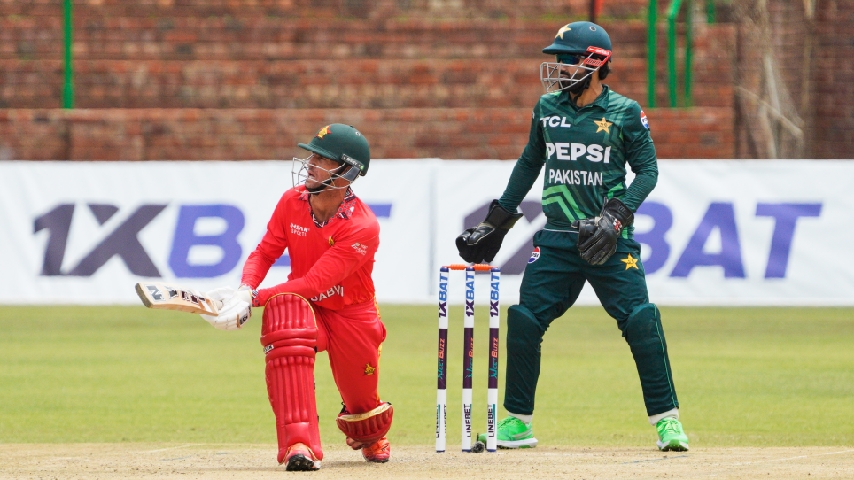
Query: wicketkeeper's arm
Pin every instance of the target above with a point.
(527, 168)
(640, 155)
(482, 242)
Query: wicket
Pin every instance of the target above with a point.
(468, 356)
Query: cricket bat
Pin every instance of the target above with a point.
(172, 297)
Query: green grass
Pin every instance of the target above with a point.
(745, 376)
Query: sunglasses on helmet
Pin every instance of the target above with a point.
(569, 59)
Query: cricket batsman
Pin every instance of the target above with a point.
(587, 136)
(327, 304)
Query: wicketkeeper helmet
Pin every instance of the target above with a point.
(345, 145)
(576, 37)
(583, 44)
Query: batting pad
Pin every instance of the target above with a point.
(289, 335)
(367, 427)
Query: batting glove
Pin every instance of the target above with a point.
(234, 311)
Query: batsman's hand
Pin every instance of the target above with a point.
(481, 243)
(597, 237)
(235, 309)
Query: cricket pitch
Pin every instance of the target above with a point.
(235, 461)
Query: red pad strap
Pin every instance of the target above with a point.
(367, 427)
(289, 336)
(279, 351)
(306, 334)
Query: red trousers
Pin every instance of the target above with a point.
(353, 338)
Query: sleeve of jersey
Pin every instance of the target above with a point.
(640, 155)
(272, 246)
(348, 254)
(527, 167)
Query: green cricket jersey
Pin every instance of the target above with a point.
(586, 152)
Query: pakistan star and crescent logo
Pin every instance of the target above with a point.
(630, 261)
(603, 125)
(369, 370)
(562, 30)
(323, 131)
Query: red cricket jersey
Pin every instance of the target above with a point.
(331, 264)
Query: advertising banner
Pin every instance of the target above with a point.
(86, 232)
(713, 232)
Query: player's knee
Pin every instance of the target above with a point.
(522, 327)
(289, 327)
(643, 324)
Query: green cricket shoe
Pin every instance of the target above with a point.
(671, 437)
(513, 433)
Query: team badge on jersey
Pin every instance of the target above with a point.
(369, 370)
(603, 125)
(631, 262)
(535, 255)
(644, 121)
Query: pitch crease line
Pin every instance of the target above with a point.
(795, 458)
(177, 447)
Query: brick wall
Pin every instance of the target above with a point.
(200, 134)
(161, 79)
(831, 106)
(379, 64)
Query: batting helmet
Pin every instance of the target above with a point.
(345, 145)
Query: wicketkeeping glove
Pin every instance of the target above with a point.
(597, 237)
(481, 243)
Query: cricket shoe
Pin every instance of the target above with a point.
(377, 452)
(300, 458)
(513, 433)
(671, 437)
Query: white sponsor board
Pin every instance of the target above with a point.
(714, 232)
(86, 232)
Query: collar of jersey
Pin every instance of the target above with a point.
(601, 101)
(342, 213)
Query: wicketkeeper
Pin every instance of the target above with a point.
(327, 304)
(587, 136)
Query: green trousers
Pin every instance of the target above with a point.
(551, 284)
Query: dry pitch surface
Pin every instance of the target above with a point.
(138, 461)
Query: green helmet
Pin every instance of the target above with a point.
(345, 145)
(583, 44)
(577, 37)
